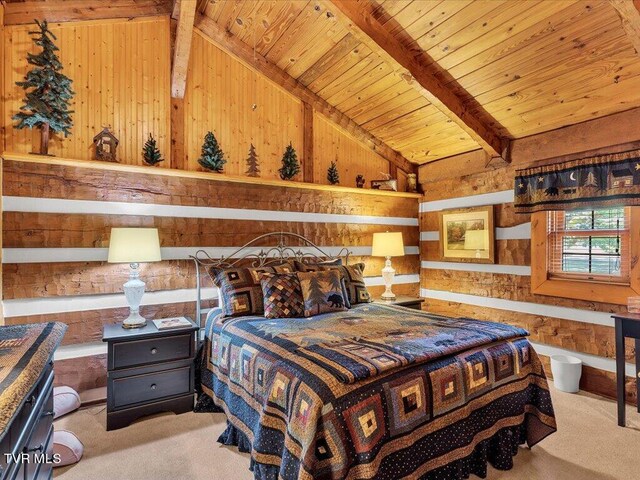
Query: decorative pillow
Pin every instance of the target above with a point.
(240, 290)
(282, 295)
(68, 447)
(315, 266)
(65, 400)
(322, 292)
(353, 279)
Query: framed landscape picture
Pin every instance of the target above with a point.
(467, 235)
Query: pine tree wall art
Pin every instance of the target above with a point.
(290, 165)
(151, 152)
(48, 90)
(212, 157)
(253, 168)
(332, 173)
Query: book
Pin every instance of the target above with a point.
(171, 323)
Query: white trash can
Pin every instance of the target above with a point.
(566, 371)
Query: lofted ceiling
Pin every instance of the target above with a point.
(522, 66)
(416, 80)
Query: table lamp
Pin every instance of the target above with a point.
(388, 244)
(134, 246)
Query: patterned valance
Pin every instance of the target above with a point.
(601, 181)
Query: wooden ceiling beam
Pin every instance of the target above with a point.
(231, 44)
(182, 47)
(56, 11)
(629, 13)
(415, 66)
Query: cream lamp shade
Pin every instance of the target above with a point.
(134, 245)
(388, 244)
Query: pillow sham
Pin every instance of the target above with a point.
(322, 292)
(240, 289)
(352, 275)
(313, 266)
(282, 295)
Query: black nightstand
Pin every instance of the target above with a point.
(148, 371)
(409, 302)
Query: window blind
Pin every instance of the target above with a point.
(589, 244)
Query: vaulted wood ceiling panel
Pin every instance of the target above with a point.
(372, 95)
(530, 65)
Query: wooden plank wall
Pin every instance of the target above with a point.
(57, 221)
(119, 83)
(242, 107)
(220, 96)
(331, 143)
(502, 292)
(120, 71)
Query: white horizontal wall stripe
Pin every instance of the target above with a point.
(34, 306)
(94, 207)
(397, 280)
(477, 267)
(585, 316)
(66, 352)
(595, 361)
(429, 236)
(79, 303)
(505, 196)
(519, 232)
(56, 255)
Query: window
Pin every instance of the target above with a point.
(586, 254)
(589, 245)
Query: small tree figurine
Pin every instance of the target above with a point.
(253, 169)
(212, 157)
(290, 165)
(48, 91)
(332, 174)
(151, 152)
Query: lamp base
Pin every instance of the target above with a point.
(134, 320)
(388, 273)
(133, 292)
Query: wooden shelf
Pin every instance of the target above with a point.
(215, 177)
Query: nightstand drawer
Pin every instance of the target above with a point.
(151, 386)
(152, 350)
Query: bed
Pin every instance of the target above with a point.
(376, 391)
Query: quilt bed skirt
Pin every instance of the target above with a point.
(498, 450)
(444, 418)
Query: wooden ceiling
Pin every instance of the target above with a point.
(417, 79)
(524, 67)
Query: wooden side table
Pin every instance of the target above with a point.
(627, 326)
(404, 301)
(148, 371)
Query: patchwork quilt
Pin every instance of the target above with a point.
(375, 392)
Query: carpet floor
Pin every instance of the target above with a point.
(588, 446)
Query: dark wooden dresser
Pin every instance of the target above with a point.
(26, 399)
(148, 371)
(29, 438)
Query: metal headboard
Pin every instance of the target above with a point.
(266, 256)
